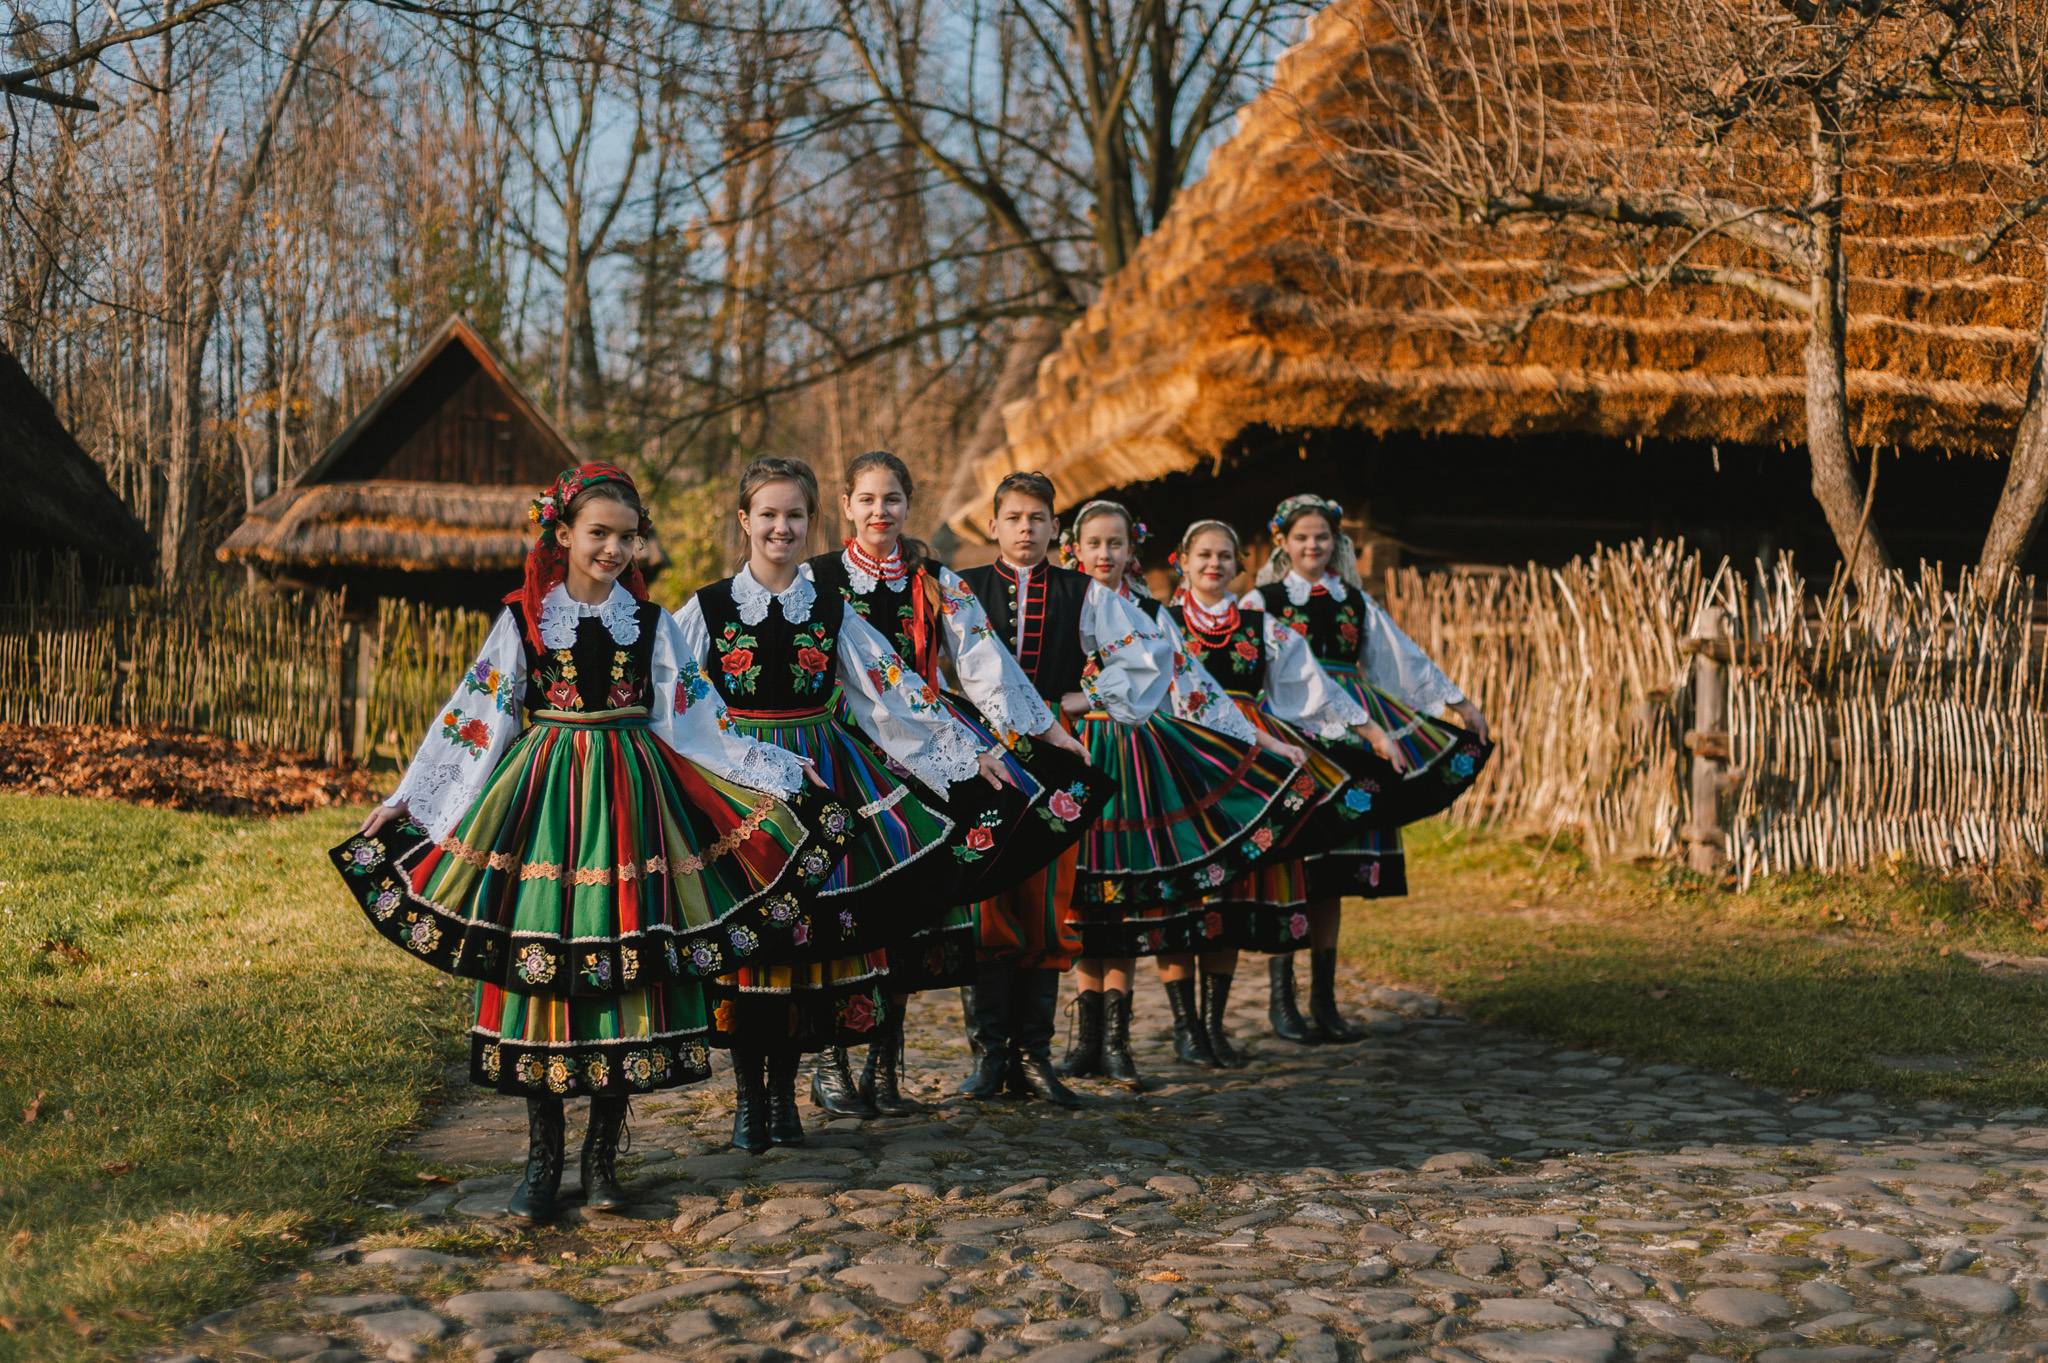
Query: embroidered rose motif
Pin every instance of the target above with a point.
(528, 1071)
(1064, 805)
(1372, 873)
(801, 933)
(834, 820)
(722, 1015)
(1246, 650)
(814, 864)
(638, 1068)
(1212, 924)
(622, 694)
(365, 854)
(559, 1077)
(1357, 801)
(812, 661)
(1263, 839)
(980, 839)
(857, 1014)
(598, 967)
(1463, 764)
(1348, 632)
(476, 733)
(1303, 784)
(629, 963)
(1297, 926)
(782, 909)
(422, 936)
(744, 940)
(704, 956)
(490, 1060)
(1213, 875)
(693, 1055)
(562, 695)
(597, 1071)
(386, 901)
(737, 661)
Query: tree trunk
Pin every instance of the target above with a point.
(2018, 517)
(1835, 485)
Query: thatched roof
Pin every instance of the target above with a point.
(1225, 319)
(57, 497)
(436, 474)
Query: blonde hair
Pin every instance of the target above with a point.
(1343, 555)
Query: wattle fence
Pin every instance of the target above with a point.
(1852, 729)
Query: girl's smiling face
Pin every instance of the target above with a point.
(777, 523)
(876, 506)
(600, 544)
(1309, 542)
(1102, 545)
(1211, 563)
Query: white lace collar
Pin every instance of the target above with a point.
(752, 598)
(864, 581)
(561, 613)
(1299, 587)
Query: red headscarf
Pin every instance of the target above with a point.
(546, 563)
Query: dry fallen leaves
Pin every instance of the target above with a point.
(34, 1108)
(164, 767)
(17, 1247)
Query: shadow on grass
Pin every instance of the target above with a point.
(1777, 992)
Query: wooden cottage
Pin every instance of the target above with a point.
(425, 496)
(58, 504)
(1220, 370)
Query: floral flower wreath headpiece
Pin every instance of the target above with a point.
(1307, 501)
(1177, 560)
(547, 564)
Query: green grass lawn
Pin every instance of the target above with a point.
(215, 1049)
(1802, 983)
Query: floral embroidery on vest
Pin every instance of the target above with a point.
(812, 670)
(736, 659)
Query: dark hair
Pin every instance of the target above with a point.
(606, 491)
(1032, 484)
(769, 469)
(916, 553)
(1302, 513)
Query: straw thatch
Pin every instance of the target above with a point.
(57, 499)
(435, 476)
(1227, 318)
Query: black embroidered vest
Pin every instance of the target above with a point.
(1060, 659)
(594, 673)
(774, 665)
(888, 610)
(1334, 629)
(1236, 658)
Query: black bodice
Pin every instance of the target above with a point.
(1057, 668)
(1334, 629)
(594, 673)
(1236, 658)
(774, 665)
(890, 611)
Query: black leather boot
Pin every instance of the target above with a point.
(1215, 998)
(750, 1100)
(1281, 1010)
(832, 1086)
(784, 1126)
(967, 1006)
(601, 1192)
(1190, 1042)
(1117, 1062)
(1084, 1053)
(1035, 1017)
(990, 1030)
(1322, 997)
(885, 1062)
(546, 1126)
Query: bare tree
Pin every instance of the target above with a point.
(1693, 143)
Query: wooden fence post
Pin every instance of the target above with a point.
(368, 646)
(1708, 738)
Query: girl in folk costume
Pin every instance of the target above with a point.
(1310, 583)
(1271, 675)
(585, 866)
(799, 670)
(1085, 648)
(927, 614)
(1201, 797)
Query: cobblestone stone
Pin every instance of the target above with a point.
(1436, 1191)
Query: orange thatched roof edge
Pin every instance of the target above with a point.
(1227, 317)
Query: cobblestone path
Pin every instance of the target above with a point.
(1439, 1191)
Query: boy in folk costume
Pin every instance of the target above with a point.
(1053, 619)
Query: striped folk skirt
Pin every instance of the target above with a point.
(893, 884)
(596, 880)
(1193, 811)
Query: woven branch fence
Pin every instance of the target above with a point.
(1902, 722)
